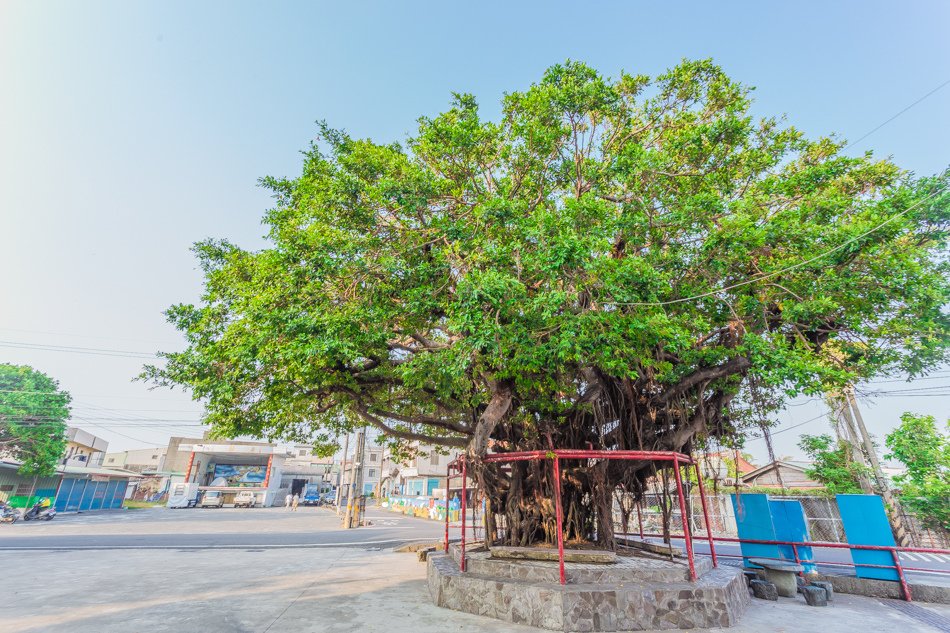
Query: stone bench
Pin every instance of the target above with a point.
(780, 573)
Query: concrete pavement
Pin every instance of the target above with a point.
(328, 590)
(304, 575)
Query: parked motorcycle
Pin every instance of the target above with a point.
(39, 513)
(8, 514)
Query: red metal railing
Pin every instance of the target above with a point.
(677, 459)
(894, 551)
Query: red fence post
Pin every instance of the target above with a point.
(464, 492)
(702, 497)
(560, 518)
(900, 573)
(685, 520)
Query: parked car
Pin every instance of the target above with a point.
(211, 499)
(245, 499)
(311, 496)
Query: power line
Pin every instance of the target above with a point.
(781, 270)
(817, 417)
(855, 142)
(95, 351)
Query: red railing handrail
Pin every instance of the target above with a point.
(459, 465)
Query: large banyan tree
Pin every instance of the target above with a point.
(608, 264)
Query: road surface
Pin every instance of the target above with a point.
(161, 528)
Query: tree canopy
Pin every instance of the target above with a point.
(833, 464)
(609, 263)
(924, 449)
(33, 414)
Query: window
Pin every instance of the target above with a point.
(111, 460)
(372, 457)
(434, 458)
(23, 490)
(154, 456)
(6, 488)
(372, 473)
(303, 452)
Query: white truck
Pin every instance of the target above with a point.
(245, 499)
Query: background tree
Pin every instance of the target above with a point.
(924, 449)
(605, 265)
(833, 464)
(33, 414)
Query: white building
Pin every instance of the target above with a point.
(229, 467)
(304, 468)
(421, 475)
(142, 460)
(83, 448)
(372, 467)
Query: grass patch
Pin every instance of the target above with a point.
(138, 505)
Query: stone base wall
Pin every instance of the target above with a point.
(717, 599)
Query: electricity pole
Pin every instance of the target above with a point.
(890, 502)
(851, 436)
(356, 469)
(339, 489)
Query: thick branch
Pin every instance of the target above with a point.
(364, 413)
(502, 395)
(706, 374)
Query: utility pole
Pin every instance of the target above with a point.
(339, 488)
(356, 467)
(890, 502)
(843, 403)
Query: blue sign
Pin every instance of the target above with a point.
(865, 523)
(788, 518)
(754, 520)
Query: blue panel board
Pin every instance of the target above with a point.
(110, 494)
(98, 492)
(754, 521)
(76, 494)
(865, 523)
(788, 519)
(63, 497)
(119, 496)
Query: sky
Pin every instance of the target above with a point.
(129, 131)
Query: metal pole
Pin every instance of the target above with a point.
(686, 535)
(797, 559)
(900, 574)
(464, 490)
(448, 480)
(339, 489)
(640, 517)
(560, 519)
(702, 498)
(350, 487)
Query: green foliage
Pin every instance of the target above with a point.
(634, 245)
(832, 464)
(924, 449)
(33, 414)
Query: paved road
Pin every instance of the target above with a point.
(160, 528)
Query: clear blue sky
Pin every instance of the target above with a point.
(130, 130)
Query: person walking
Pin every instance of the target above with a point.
(288, 500)
(296, 502)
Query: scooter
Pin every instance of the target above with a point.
(8, 514)
(38, 512)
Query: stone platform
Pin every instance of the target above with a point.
(635, 594)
